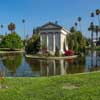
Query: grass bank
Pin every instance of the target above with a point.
(69, 87)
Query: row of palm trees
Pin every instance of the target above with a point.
(79, 19)
(94, 28)
(12, 27)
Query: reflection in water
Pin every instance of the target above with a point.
(12, 62)
(48, 67)
(18, 65)
(77, 66)
(95, 61)
(57, 67)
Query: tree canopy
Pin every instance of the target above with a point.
(11, 27)
(76, 41)
(33, 45)
(12, 41)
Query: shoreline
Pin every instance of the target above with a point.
(47, 58)
(3, 52)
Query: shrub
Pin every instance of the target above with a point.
(33, 45)
(69, 52)
(12, 41)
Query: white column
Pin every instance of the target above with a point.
(41, 41)
(66, 45)
(54, 42)
(47, 41)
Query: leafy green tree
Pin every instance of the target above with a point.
(12, 41)
(76, 41)
(11, 27)
(33, 45)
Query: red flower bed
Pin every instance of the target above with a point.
(69, 53)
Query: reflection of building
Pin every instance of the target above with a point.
(56, 67)
(53, 36)
(52, 67)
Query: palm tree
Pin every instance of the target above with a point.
(92, 15)
(75, 25)
(91, 28)
(97, 13)
(11, 27)
(23, 21)
(1, 26)
(79, 20)
(72, 29)
(97, 29)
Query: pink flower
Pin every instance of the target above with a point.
(69, 52)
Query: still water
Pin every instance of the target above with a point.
(16, 65)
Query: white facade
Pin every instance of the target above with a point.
(52, 37)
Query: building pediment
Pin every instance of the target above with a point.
(51, 26)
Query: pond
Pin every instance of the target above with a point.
(17, 65)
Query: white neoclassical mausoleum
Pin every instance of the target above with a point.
(53, 36)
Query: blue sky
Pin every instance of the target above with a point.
(38, 12)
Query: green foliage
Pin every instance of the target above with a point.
(68, 87)
(12, 41)
(11, 27)
(76, 41)
(12, 61)
(33, 45)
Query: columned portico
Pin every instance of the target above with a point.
(53, 37)
(47, 41)
(53, 42)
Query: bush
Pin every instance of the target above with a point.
(69, 53)
(12, 41)
(33, 45)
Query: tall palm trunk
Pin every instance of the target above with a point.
(79, 20)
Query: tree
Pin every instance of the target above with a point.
(12, 41)
(97, 13)
(92, 14)
(11, 27)
(76, 41)
(33, 45)
(97, 30)
(1, 26)
(36, 30)
(76, 25)
(79, 20)
(91, 28)
(72, 29)
(24, 21)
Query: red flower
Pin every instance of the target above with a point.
(69, 53)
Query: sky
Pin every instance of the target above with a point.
(39, 12)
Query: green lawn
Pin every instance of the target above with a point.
(69, 87)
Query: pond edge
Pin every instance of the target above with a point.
(44, 57)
